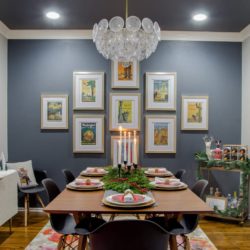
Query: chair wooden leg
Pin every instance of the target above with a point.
(187, 243)
(26, 209)
(173, 242)
(60, 243)
(112, 217)
(40, 199)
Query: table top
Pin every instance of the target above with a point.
(182, 201)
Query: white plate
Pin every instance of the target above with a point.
(166, 174)
(72, 185)
(85, 173)
(169, 187)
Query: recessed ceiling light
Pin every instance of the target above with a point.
(52, 15)
(199, 17)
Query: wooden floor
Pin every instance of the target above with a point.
(225, 236)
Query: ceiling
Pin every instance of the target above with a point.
(224, 15)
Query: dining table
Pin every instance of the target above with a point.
(174, 203)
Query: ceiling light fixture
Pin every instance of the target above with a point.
(199, 17)
(136, 41)
(52, 15)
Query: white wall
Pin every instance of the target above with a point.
(3, 96)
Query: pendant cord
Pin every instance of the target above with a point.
(126, 12)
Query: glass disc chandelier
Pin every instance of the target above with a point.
(137, 40)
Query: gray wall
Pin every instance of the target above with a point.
(46, 66)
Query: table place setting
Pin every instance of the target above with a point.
(168, 184)
(94, 171)
(162, 172)
(85, 184)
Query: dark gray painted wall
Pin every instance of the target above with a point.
(46, 66)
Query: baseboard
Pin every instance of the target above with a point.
(31, 209)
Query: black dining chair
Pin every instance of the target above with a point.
(65, 223)
(179, 174)
(39, 176)
(129, 234)
(186, 224)
(68, 176)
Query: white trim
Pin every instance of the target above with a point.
(87, 34)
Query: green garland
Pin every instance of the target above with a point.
(134, 180)
(244, 166)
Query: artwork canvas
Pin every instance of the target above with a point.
(160, 134)
(124, 111)
(194, 113)
(160, 91)
(88, 91)
(54, 111)
(125, 74)
(88, 133)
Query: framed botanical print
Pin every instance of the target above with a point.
(160, 133)
(54, 111)
(124, 111)
(125, 75)
(194, 113)
(160, 91)
(134, 149)
(88, 134)
(88, 90)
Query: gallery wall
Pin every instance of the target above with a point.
(38, 67)
(3, 96)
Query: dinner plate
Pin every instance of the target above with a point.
(73, 186)
(181, 186)
(85, 173)
(166, 174)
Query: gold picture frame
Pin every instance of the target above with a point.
(54, 111)
(160, 134)
(125, 111)
(194, 113)
(125, 76)
(161, 91)
(88, 90)
(88, 133)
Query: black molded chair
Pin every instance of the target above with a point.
(65, 223)
(179, 174)
(187, 223)
(129, 234)
(68, 175)
(39, 175)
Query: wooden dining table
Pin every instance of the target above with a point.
(90, 202)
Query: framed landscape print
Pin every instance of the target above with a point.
(88, 90)
(115, 147)
(124, 111)
(88, 134)
(125, 75)
(54, 111)
(160, 91)
(160, 133)
(194, 113)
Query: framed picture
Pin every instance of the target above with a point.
(160, 91)
(125, 75)
(124, 111)
(194, 113)
(88, 134)
(217, 202)
(160, 133)
(88, 90)
(115, 147)
(232, 152)
(54, 111)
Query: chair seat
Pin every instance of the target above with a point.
(88, 225)
(32, 190)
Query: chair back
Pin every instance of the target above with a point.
(179, 174)
(69, 177)
(51, 188)
(129, 234)
(199, 187)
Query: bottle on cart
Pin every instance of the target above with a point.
(229, 200)
(211, 191)
(217, 193)
(234, 202)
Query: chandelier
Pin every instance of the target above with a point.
(137, 40)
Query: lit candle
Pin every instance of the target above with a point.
(120, 129)
(125, 148)
(129, 148)
(119, 152)
(135, 150)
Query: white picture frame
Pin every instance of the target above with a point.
(125, 77)
(88, 90)
(219, 202)
(160, 134)
(161, 91)
(54, 111)
(88, 133)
